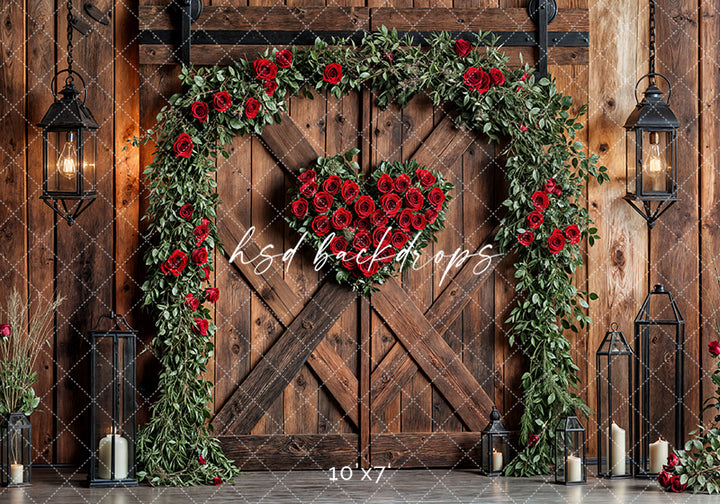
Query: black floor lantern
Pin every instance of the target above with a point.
(613, 378)
(659, 382)
(494, 446)
(570, 456)
(112, 408)
(16, 448)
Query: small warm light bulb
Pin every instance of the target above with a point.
(654, 164)
(66, 161)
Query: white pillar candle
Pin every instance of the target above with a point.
(617, 466)
(105, 457)
(497, 460)
(574, 469)
(658, 455)
(16, 474)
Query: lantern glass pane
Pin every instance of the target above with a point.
(499, 452)
(614, 412)
(657, 162)
(16, 450)
(630, 157)
(62, 162)
(89, 160)
(103, 402)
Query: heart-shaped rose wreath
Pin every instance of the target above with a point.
(368, 229)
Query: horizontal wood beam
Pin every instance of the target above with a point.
(426, 449)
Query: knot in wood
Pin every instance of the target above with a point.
(307, 324)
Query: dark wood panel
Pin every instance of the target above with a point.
(426, 450)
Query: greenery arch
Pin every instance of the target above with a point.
(546, 170)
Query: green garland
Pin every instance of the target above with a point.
(546, 171)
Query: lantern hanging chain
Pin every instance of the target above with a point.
(69, 42)
(652, 42)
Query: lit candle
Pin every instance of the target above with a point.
(16, 474)
(658, 455)
(105, 457)
(497, 460)
(574, 468)
(617, 468)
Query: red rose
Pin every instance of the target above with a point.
(378, 218)
(284, 58)
(252, 107)
(425, 177)
(362, 225)
(364, 206)
(419, 221)
(201, 326)
(535, 219)
(549, 185)
(391, 204)
(378, 234)
(205, 221)
(206, 274)
(308, 189)
(349, 191)
(386, 255)
(714, 348)
(332, 184)
(436, 197)
(402, 182)
(307, 176)
(676, 486)
(222, 101)
(556, 242)
(664, 479)
(200, 233)
(217, 480)
(526, 238)
(462, 47)
(533, 439)
(349, 261)
(322, 202)
(5, 330)
(473, 77)
(199, 111)
(398, 239)
(199, 256)
(368, 266)
(321, 225)
(362, 241)
(404, 220)
(573, 234)
(264, 69)
(186, 211)
(388, 56)
(270, 86)
(496, 77)
(414, 198)
(201, 459)
(338, 244)
(557, 191)
(673, 460)
(299, 208)
(212, 294)
(523, 128)
(540, 200)
(385, 183)
(524, 77)
(183, 146)
(192, 302)
(342, 217)
(332, 73)
(175, 264)
(431, 214)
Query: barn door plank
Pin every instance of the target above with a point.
(287, 143)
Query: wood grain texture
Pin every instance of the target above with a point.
(427, 449)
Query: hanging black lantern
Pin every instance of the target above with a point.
(112, 407)
(494, 446)
(613, 370)
(570, 459)
(651, 143)
(659, 384)
(15, 450)
(69, 145)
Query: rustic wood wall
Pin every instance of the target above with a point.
(96, 264)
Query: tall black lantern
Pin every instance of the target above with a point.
(570, 457)
(112, 408)
(494, 446)
(69, 146)
(613, 368)
(16, 448)
(659, 384)
(651, 143)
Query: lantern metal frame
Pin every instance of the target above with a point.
(493, 436)
(129, 423)
(641, 393)
(15, 425)
(613, 346)
(567, 427)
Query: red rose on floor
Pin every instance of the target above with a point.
(714, 348)
(200, 233)
(388, 56)
(391, 204)
(5, 330)
(425, 177)
(436, 197)
(549, 185)
(673, 460)
(217, 480)
(526, 238)
(264, 69)
(332, 184)
(332, 73)
(385, 183)
(533, 439)
(183, 146)
(321, 225)
(212, 294)
(540, 200)
(431, 214)
(348, 261)
(186, 211)
(199, 256)
(222, 101)
(192, 302)
(676, 486)
(338, 244)
(386, 255)
(201, 459)
(399, 239)
(496, 77)
(270, 86)
(378, 218)
(535, 219)
(404, 220)
(414, 199)
(664, 479)
(175, 264)
(556, 242)
(341, 218)
(308, 189)
(322, 202)
(284, 58)
(419, 221)
(462, 47)
(206, 273)
(349, 191)
(201, 326)
(199, 111)
(362, 241)
(378, 234)
(474, 77)
(307, 176)
(573, 234)
(364, 206)
(362, 225)
(368, 266)
(402, 182)
(299, 208)
(252, 107)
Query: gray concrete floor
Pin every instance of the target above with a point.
(408, 486)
